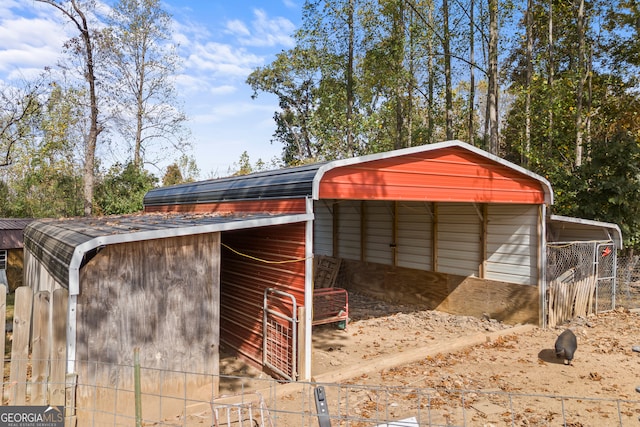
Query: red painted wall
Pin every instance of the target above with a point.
(449, 174)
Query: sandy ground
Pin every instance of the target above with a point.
(459, 370)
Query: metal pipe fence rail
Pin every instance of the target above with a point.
(167, 401)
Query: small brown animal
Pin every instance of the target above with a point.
(566, 346)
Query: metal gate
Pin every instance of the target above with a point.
(606, 268)
(581, 279)
(280, 322)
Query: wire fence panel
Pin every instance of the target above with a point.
(268, 402)
(628, 279)
(581, 279)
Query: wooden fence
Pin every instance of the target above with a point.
(37, 364)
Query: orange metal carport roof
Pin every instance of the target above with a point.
(451, 171)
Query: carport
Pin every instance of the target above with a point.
(447, 226)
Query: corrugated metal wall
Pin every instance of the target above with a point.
(348, 232)
(323, 227)
(459, 239)
(512, 242)
(379, 232)
(244, 277)
(415, 235)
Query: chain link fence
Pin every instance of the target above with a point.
(581, 279)
(628, 280)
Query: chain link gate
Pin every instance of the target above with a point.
(581, 278)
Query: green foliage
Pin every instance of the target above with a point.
(607, 185)
(122, 189)
(172, 175)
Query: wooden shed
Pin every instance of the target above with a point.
(149, 282)
(447, 226)
(11, 254)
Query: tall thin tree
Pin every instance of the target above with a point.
(76, 12)
(144, 62)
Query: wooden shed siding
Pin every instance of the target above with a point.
(250, 206)
(323, 228)
(415, 235)
(159, 295)
(349, 229)
(449, 174)
(512, 254)
(379, 232)
(245, 277)
(459, 239)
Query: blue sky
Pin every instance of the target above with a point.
(221, 42)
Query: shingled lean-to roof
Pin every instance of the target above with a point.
(65, 245)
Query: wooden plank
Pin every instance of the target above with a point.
(58, 348)
(508, 302)
(20, 346)
(40, 347)
(3, 315)
(302, 355)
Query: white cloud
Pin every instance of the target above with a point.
(223, 59)
(229, 110)
(223, 90)
(21, 46)
(268, 32)
(237, 27)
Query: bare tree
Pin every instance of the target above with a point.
(76, 12)
(582, 75)
(17, 106)
(528, 77)
(493, 88)
(143, 63)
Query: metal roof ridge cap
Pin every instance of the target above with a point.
(83, 248)
(315, 191)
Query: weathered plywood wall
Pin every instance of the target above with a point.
(507, 302)
(161, 296)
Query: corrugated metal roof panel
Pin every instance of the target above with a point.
(14, 223)
(283, 183)
(54, 242)
(569, 229)
(11, 230)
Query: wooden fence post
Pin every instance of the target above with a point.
(20, 345)
(57, 378)
(40, 347)
(3, 315)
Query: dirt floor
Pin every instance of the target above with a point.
(509, 373)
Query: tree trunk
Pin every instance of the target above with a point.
(351, 149)
(472, 78)
(493, 77)
(550, 78)
(581, 82)
(446, 44)
(529, 75)
(80, 21)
